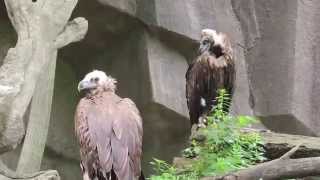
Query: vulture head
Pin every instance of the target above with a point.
(97, 81)
(214, 43)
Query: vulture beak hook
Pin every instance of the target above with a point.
(86, 85)
(203, 48)
(80, 86)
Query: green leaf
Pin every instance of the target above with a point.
(225, 149)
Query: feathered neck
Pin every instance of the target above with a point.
(110, 84)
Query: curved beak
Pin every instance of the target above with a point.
(203, 48)
(86, 85)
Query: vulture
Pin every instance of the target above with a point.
(211, 70)
(109, 131)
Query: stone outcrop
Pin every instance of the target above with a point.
(147, 45)
(282, 52)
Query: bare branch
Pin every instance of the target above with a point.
(290, 153)
(74, 31)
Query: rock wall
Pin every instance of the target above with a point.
(282, 54)
(147, 45)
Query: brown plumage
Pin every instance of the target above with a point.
(109, 131)
(212, 70)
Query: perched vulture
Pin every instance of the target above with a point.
(213, 69)
(109, 131)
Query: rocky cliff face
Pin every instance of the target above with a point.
(147, 44)
(282, 56)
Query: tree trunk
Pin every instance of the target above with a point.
(28, 72)
(36, 136)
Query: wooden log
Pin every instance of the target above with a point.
(276, 144)
(281, 168)
(301, 161)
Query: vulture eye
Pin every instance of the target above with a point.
(206, 41)
(94, 79)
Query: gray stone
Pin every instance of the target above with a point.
(305, 98)
(147, 44)
(282, 50)
(127, 6)
(167, 76)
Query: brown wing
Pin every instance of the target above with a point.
(115, 131)
(198, 85)
(204, 77)
(127, 140)
(94, 136)
(193, 92)
(100, 132)
(229, 75)
(90, 163)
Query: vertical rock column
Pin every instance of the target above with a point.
(306, 89)
(282, 52)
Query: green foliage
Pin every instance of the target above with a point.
(161, 167)
(225, 148)
(168, 172)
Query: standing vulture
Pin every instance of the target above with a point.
(109, 131)
(213, 69)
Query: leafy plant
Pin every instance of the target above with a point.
(225, 148)
(168, 172)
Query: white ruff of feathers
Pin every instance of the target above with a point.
(110, 84)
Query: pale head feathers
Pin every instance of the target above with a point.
(98, 80)
(96, 74)
(219, 39)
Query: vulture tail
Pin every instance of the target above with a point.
(110, 176)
